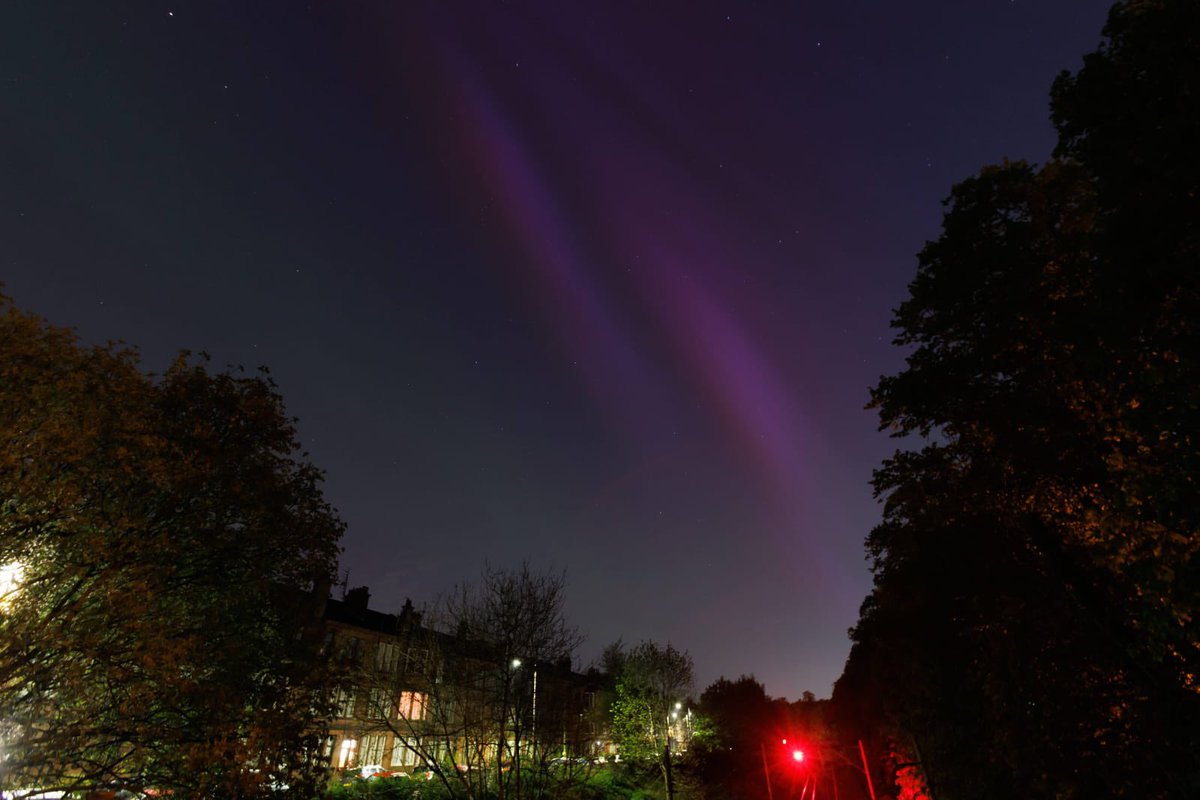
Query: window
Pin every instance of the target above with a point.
(445, 708)
(405, 751)
(412, 705)
(416, 659)
(351, 647)
(344, 702)
(372, 749)
(380, 705)
(387, 657)
(346, 753)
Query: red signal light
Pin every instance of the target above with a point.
(798, 756)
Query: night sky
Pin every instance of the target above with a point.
(598, 285)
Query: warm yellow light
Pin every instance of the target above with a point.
(11, 575)
(346, 753)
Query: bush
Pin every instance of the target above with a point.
(351, 787)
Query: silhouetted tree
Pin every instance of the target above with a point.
(1037, 570)
(743, 722)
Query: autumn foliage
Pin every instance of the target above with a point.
(163, 530)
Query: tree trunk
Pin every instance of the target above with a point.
(667, 772)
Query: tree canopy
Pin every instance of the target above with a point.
(651, 681)
(1033, 621)
(162, 531)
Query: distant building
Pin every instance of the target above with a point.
(416, 700)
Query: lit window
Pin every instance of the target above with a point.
(346, 753)
(412, 705)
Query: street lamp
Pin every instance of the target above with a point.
(516, 664)
(667, 752)
(672, 715)
(11, 577)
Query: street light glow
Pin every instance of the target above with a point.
(11, 575)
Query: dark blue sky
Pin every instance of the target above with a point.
(598, 285)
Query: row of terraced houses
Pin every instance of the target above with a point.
(414, 699)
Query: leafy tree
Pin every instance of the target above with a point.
(160, 532)
(1037, 570)
(651, 682)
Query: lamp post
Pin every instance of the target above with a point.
(667, 752)
(515, 664)
(673, 723)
